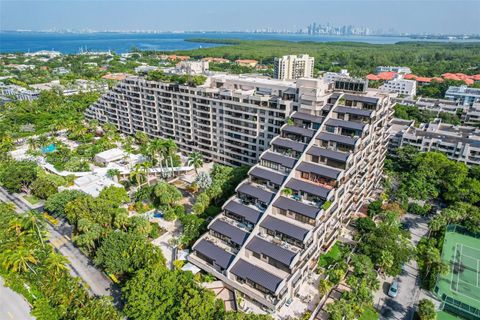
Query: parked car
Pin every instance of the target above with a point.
(393, 291)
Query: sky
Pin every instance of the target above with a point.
(409, 16)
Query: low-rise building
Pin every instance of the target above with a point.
(293, 67)
(17, 92)
(401, 86)
(246, 62)
(460, 143)
(403, 70)
(145, 69)
(216, 60)
(192, 67)
(60, 70)
(463, 95)
(78, 86)
(332, 76)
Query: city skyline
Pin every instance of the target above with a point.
(403, 17)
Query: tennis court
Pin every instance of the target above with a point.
(460, 288)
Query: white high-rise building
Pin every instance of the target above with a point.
(294, 67)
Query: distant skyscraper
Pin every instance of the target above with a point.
(294, 67)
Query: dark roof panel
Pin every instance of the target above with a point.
(323, 171)
(360, 98)
(311, 188)
(264, 278)
(280, 159)
(271, 250)
(256, 192)
(345, 124)
(331, 154)
(306, 117)
(355, 111)
(296, 206)
(289, 144)
(217, 254)
(250, 214)
(235, 234)
(273, 176)
(298, 130)
(284, 227)
(337, 138)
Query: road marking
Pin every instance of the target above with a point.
(10, 315)
(68, 237)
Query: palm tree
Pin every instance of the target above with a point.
(113, 174)
(55, 263)
(137, 173)
(157, 149)
(42, 141)
(32, 143)
(145, 167)
(31, 222)
(195, 159)
(19, 259)
(169, 147)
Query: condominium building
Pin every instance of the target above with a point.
(460, 143)
(469, 115)
(401, 86)
(397, 69)
(293, 67)
(230, 119)
(326, 161)
(463, 95)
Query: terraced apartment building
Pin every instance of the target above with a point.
(230, 119)
(317, 173)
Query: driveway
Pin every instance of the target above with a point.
(12, 305)
(403, 306)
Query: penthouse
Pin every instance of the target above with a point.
(326, 160)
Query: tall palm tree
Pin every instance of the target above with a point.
(169, 147)
(145, 167)
(195, 159)
(137, 174)
(157, 148)
(31, 222)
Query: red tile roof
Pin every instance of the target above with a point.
(373, 77)
(423, 79)
(388, 75)
(409, 76)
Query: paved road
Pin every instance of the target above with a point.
(403, 306)
(12, 305)
(80, 265)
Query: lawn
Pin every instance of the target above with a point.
(442, 315)
(332, 256)
(31, 199)
(370, 314)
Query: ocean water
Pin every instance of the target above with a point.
(124, 42)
